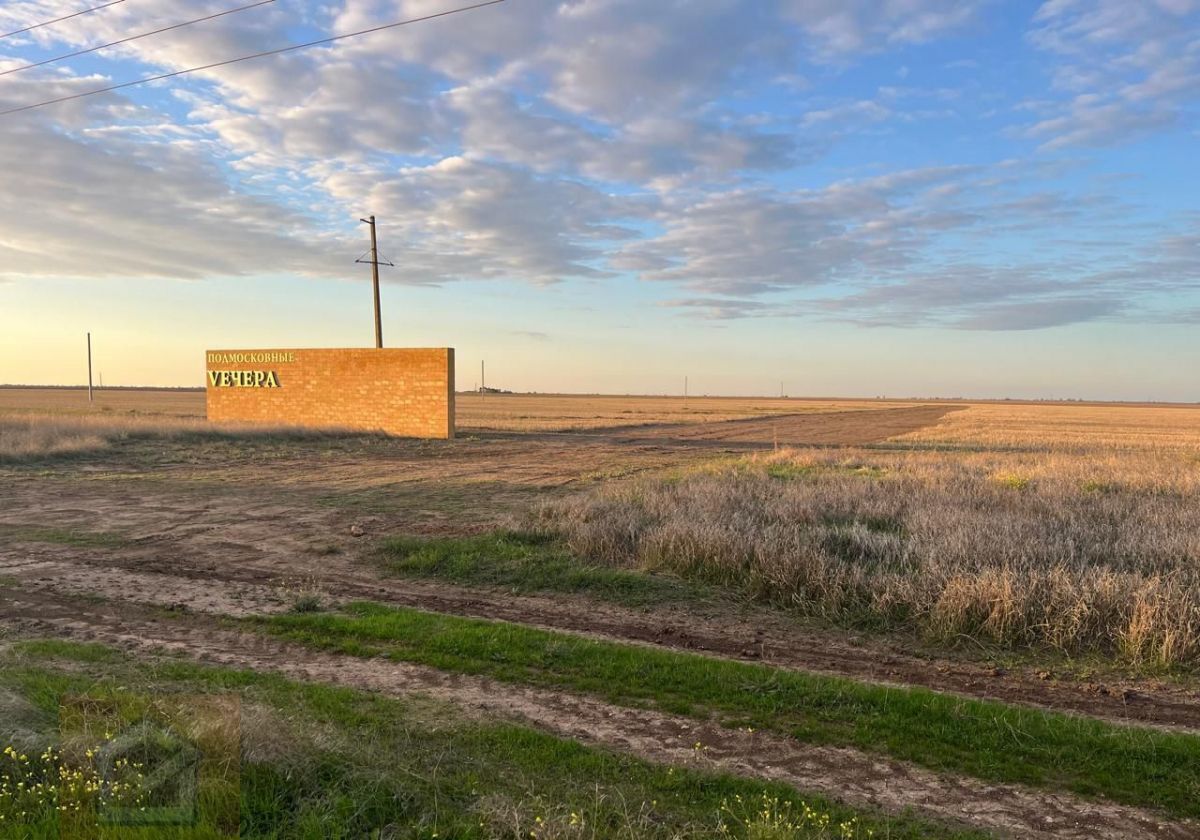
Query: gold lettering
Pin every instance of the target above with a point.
(256, 358)
(243, 379)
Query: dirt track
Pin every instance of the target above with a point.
(233, 531)
(727, 631)
(846, 774)
(225, 529)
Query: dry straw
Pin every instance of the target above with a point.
(1050, 537)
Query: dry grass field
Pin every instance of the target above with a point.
(1075, 528)
(562, 412)
(1101, 430)
(492, 412)
(626, 617)
(176, 403)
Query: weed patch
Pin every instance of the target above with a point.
(75, 537)
(528, 562)
(328, 762)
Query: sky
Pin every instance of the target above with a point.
(958, 198)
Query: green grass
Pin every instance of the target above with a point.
(434, 501)
(788, 471)
(526, 562)
(988, 740)
(327, 762)
(75, 537)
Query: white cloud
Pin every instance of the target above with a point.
(77, 208)
(840, 27)
(553, 139)
(461, 219)
(1126, 69)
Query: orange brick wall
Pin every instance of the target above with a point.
(407, 392)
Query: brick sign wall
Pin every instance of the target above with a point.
(407, 392)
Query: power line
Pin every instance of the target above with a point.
(59, 20)
(134, 38)
(227, 62)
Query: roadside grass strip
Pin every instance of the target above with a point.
(526, 562)
(327, 762)
(989, 740)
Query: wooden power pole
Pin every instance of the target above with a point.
(375, 263)
(90, 398)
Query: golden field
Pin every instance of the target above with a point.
(1069, 526)
(506, 412)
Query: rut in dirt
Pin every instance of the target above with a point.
(851, 776)
(262, 585)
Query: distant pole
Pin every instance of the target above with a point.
(482, 377)
(375, 263)
(90, 397)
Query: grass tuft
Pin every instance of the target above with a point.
(528, 561)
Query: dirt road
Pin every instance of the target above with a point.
(226, 528)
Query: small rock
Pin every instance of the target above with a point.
(1044, 675)
(356, 530)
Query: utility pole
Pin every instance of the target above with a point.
(482, 377)
(375, 262)
(90, 398)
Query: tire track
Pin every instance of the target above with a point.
(849, 775)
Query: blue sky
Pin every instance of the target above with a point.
(898, 197)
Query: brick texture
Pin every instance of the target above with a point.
(408, 392)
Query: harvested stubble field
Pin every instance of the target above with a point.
(624, 617)
(475, 412)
